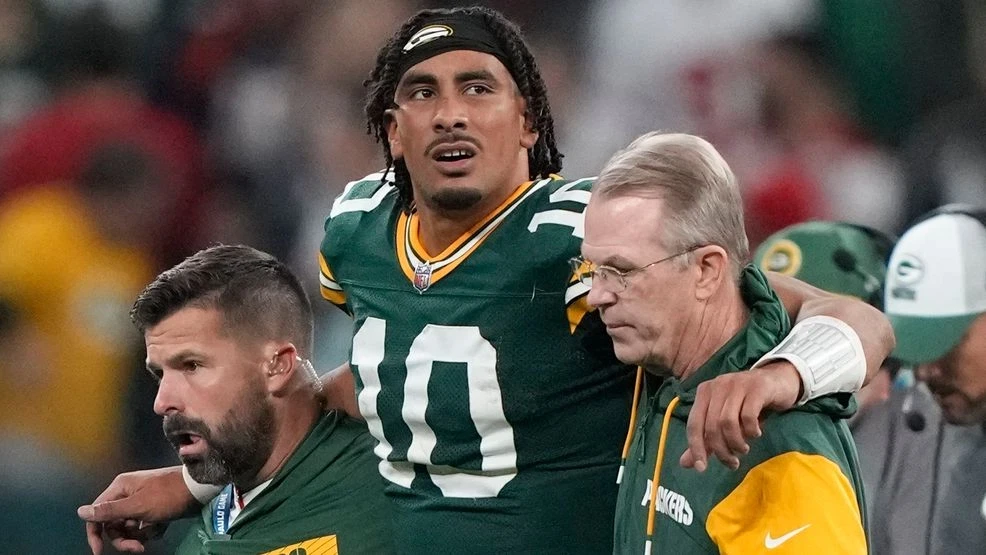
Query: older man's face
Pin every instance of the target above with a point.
(958, 379)
(647, 318)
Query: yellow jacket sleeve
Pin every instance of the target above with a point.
(791, 503)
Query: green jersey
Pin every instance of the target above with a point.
(325, 500)
(493, 392)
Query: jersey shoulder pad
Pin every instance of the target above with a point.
(365, 203)
(563, 194)
(581, 184)
(364, 195)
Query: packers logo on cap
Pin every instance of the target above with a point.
(428, 34)
(909, 270)
(783, 257)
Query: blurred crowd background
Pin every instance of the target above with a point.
(134, 132)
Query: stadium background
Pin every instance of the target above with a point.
(244, 119)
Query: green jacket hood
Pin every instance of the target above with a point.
(767, 325)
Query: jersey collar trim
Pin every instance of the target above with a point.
(411, 253)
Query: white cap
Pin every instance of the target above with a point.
(936, 283)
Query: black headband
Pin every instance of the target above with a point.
(448, 32)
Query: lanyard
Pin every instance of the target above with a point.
(222, 509)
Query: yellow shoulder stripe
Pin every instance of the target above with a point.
(330, 289)
(791, 503)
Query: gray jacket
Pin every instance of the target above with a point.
(924, 490)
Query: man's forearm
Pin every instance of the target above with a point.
(803, 301)
(874, 330)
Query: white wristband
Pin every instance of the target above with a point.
(827, 354)
(201, 492)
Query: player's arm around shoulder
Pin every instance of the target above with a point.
(876, 336)
(796, 497)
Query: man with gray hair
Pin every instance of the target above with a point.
(680, 300)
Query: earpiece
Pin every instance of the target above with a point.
(271, 370)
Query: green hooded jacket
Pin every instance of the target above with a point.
(798, 490)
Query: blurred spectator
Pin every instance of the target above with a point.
(900, 58)
(945, 152)
(72, 259)
(643, 57)
(230, 67)
(946, 157)
(97, 102)
(757, 78)
(22, 89)
(820, 162)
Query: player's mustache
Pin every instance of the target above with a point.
(454, 136)
(175, 425)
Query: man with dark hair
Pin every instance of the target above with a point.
(488, 382)
(228, 332)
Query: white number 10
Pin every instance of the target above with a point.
(455, 344)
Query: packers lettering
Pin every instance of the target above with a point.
(670, 503)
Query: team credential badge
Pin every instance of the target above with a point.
(422, 277)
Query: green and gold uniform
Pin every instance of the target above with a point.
(493, 392)
(325, 500)
(798, 490)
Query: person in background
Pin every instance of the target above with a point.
(936, 301)
(72, 257)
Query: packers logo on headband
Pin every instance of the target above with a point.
(428, 34)
(783, 257)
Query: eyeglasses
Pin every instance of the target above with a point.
(608, 277)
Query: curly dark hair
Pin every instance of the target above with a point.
(543, 157)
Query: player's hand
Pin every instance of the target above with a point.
(128, 536)
(727, 412)
(135, 508)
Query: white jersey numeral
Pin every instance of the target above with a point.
(568, 218)
(455, 344)
(368, 350)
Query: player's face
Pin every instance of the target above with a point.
(460, 128)
(958, 380)
(212, 396)
(647, 319)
